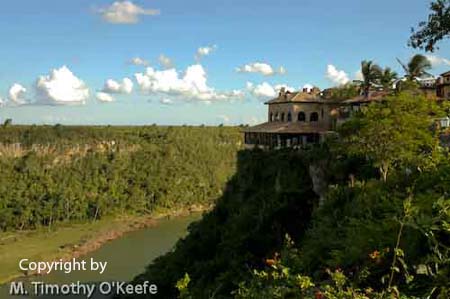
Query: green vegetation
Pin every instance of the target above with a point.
(55, 174)
(343, 92)
(383, 230)
(270, 195)
(416, 67)
(437, 27)
(64, 242)
(371, 73)
(391, 135)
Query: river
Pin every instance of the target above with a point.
(126, 256)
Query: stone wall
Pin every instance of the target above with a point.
(325, 119)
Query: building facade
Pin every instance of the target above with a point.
(443, 86)
(295, 120)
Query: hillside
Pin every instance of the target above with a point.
(54, 174)
(379, 228)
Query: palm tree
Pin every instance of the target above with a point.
(416, 67)
(388, 76)
(371, 73)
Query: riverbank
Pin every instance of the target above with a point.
(73, 240)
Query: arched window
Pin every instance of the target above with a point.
(314, 116)
(282, 116)
(276, 116)
(301, 116)
(271, 117)
(289, 117)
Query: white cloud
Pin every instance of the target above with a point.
(286, 87)
(281, 70)
(139, 61)
(16, 94)
(261, 68)
(438, 61)
(336, 76)
(265, 90)
(308, 87)
(253, 120)
(204, 51)
(191, 85)
(2, 102)
(62, 87)
(165, 61)
(166, 101)
(104, 97)
(224, 118)
(112, 86)
(125, 12)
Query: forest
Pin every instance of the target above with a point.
(380, 229)
(58, 174)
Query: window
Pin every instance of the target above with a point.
(314, 116)
(282, 116)
(301, 116)
(271, 117)
(276, 117)
(289, 117)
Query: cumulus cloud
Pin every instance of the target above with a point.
(61, 87)
(16, 94)
(165, 61)
(261, 68)
(166, 101)
(139, 61)
(104, 97)
(225, 118)
(438, 61)
(125, 12)
(204, 51)
(336, 76)
(191, 85)
(265, 90)
(308, 87)
(124, 87)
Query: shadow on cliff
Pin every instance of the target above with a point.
(270, 196)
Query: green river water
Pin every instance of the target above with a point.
(126, 257)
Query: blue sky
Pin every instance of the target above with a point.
(244, 43)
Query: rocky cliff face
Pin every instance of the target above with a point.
(317, 172)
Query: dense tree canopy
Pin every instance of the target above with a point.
(436, 28)
(394, 133)
(58, 174)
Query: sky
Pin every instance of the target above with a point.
(174, 62)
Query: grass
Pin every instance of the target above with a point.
(73, 239)
(45, 245)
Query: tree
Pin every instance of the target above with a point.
(371, 73)
(342, 92)
(393, 133)
(435, 29)
(416, 67)
(7, 122)
(387, 77)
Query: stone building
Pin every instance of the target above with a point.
(443, 86)
(294, 120)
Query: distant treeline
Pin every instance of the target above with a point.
(53, 174)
